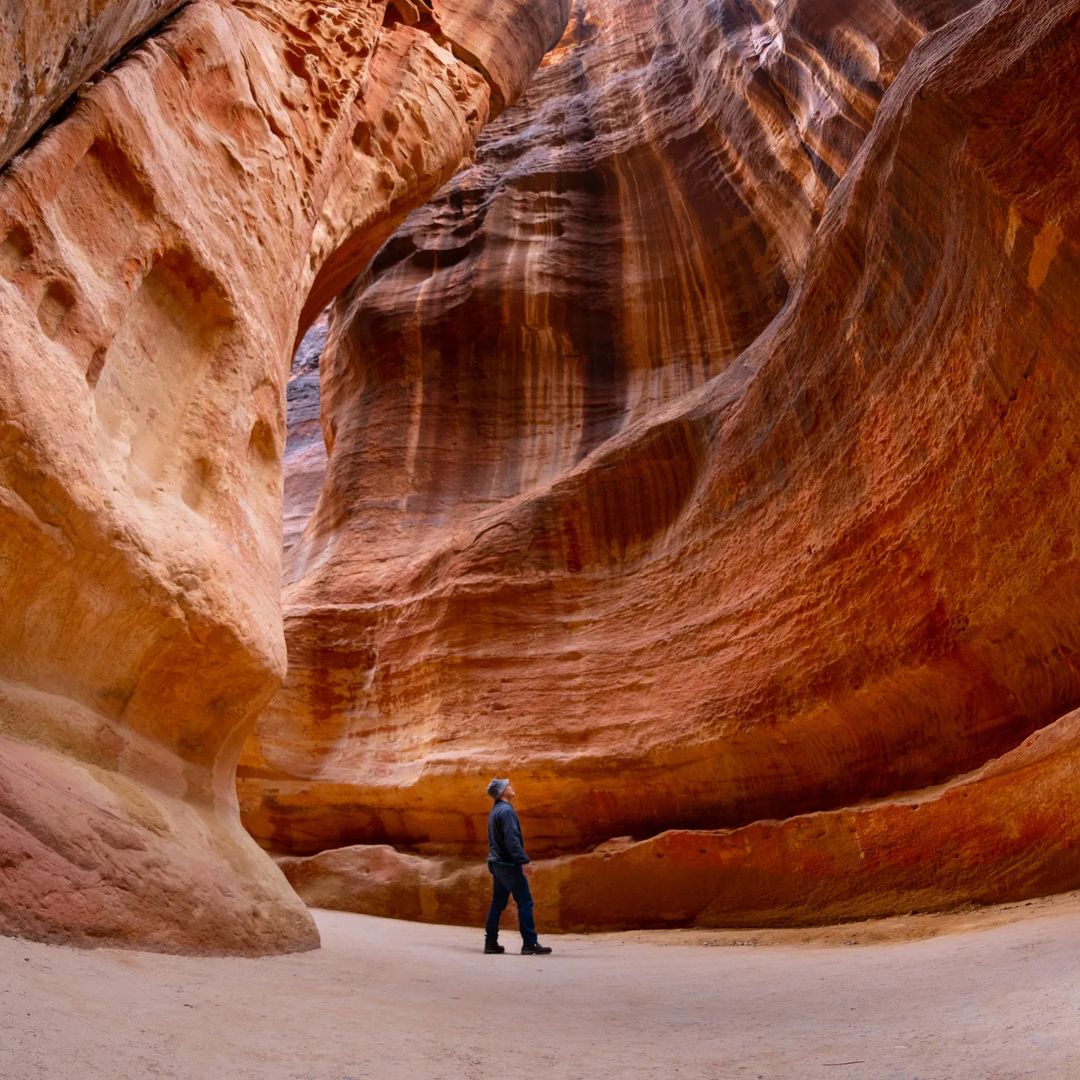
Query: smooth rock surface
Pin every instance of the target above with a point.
(1007, 832)
(159, 247)
(792, 529)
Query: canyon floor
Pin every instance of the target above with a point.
(988, 994)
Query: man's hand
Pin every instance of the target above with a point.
(526, 869)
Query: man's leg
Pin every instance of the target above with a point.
(500, 894)
(519, 887)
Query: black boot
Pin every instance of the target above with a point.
(536, 949)
(493, 947)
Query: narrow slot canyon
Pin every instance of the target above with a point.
(669, 406)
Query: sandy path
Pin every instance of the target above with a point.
(386, 999)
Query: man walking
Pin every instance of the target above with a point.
(507, 863)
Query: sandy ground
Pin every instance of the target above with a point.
(986, 995)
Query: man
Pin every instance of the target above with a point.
(509, 868)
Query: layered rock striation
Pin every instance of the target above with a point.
(1005, 832)
(162, 245)
(706, 454)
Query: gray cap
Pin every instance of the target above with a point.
(497, 787)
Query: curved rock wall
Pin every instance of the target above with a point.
(623, 235)
(1007, 832)
(158, 245)
(686, 544)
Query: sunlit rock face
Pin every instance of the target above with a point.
(705, 454)
(161, 246)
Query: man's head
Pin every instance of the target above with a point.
(501, 789)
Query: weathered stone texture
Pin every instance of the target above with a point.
(157, 247)
(49, 47)
(704, 454)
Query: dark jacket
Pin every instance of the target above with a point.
(505, 844)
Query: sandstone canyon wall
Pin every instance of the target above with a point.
(705, 458)
(163, 242)
(49, 47)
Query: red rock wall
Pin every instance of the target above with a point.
(160, 246)
(713, 467)
(1005, 833)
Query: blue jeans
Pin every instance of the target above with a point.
(507, 881)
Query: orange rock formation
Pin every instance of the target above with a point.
(161, 245)
(1009, 830)
(704, 456)
(707, 454)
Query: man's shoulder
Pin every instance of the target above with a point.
(501, 808)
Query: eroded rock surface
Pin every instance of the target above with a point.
(160, 247)
(49, 47)
(706, 453)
